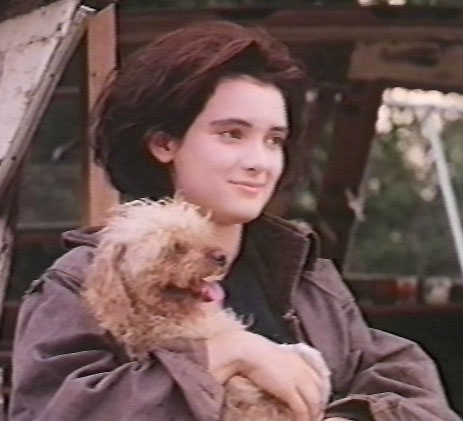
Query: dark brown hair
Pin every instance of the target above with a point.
(165, 86)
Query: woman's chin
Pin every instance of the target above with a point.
(238, 217)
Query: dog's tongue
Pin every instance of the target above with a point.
(212, 291)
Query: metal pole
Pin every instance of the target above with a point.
(431, 129)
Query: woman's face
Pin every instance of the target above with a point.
(231, 158)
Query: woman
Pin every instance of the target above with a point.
(214, 111)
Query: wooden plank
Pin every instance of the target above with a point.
(424, 63)
(307, 35)
(101, 63)
(32, 60)
(311, 24)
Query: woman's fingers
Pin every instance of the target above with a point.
(299, 407)
(312, 398)
(303, 395)
(312, 403)
(282, 373)
(320, 384)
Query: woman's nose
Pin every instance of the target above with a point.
(255, 158)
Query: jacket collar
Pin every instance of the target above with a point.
(284, 249)
(88, 236)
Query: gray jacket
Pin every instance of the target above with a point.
(66, 369)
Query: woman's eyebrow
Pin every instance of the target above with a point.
(283, 129)
(230, 121)
(240, 122)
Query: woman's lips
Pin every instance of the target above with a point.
(248, 188)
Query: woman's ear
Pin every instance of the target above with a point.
(162, 146)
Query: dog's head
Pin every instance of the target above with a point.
(163, 254)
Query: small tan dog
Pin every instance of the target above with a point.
(153, 282)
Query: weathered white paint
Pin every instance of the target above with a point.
(34, 50)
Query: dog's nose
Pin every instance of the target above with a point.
(219, 257)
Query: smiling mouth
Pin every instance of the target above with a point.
(251, 188)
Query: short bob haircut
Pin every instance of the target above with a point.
(165, 86)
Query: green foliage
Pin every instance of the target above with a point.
(406, 230)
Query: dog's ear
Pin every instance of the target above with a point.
(104, 288)
(118, 257)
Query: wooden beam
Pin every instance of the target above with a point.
(101, 64)
(353, 133)
(425, 63)
(311, 24)
(332, 34)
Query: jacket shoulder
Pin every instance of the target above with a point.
(74, 263)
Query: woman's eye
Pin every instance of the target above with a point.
(276, 141)
(232, 134)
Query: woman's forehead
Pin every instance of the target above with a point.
(245, 100)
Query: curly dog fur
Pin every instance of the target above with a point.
(144, 287)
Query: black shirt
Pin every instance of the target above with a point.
(245, 295)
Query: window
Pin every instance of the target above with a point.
(405, 229)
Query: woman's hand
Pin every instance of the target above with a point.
(280, 372)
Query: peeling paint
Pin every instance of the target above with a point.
(34, 49)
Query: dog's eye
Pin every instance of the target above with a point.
(180, 248)
(219, 257)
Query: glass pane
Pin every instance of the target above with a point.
(406, 230)
(50, 188)
(49, 193)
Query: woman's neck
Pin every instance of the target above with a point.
(229, 240)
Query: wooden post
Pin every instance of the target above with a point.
(101, 63)
(354, 132)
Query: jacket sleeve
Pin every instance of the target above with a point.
(66, 368)
(378, 376)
